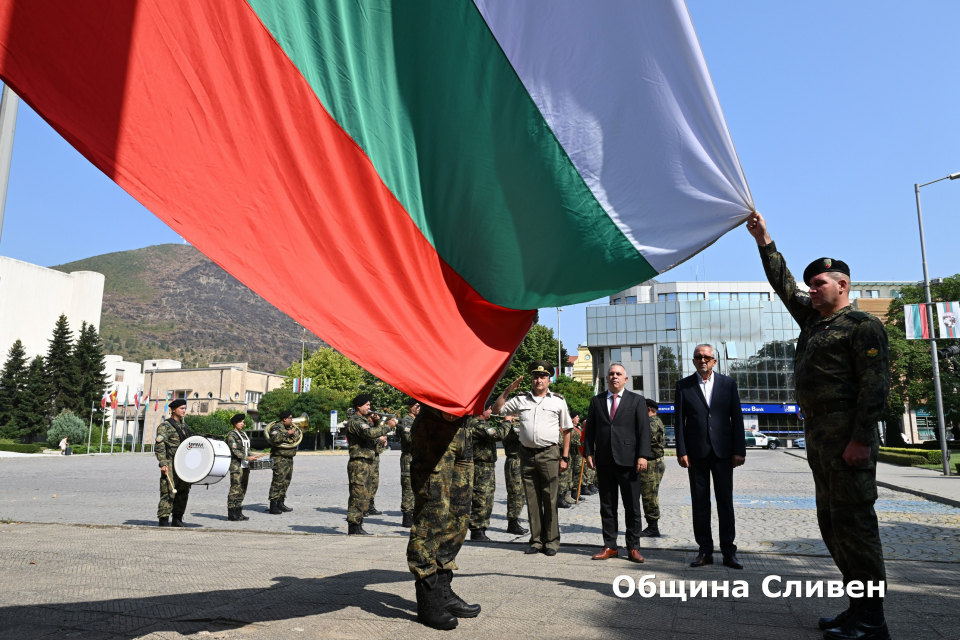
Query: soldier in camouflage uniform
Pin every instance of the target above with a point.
(485, 434)
(589, 485)
(516, 497)
(403, 430)
(842, 378)
(441, 472)
(566, 481)
(375, 480)
(239, 445)
(280, 433)
(576, 458)
(170, 434)
(364, 434)
(650, 477)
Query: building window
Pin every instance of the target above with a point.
(180, 395)
(855, 294)
(661, 297)
(671, 322)
(118, 375)
(636, 354)
(894, 293)
(668, 370)
(638, 383)
(615, 354)
(254, 396)
(631, 300)
(616, 301)
(872, 293)
(204, 407)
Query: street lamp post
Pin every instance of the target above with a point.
(933, 342)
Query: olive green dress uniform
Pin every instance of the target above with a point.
(362, 437)
(841, 371)
(516, 498)
(650, 479)
(406, 496)
(485, 434)
(170, 434)
(282, 460)
(239, 476)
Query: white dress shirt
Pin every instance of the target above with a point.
(542, 418)
(706, 386)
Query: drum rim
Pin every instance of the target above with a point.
(213, 460)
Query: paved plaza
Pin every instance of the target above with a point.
(125, 578)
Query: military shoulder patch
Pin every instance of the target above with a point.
(491, 431)
(159, 438)
(234, 445)
(872, 353)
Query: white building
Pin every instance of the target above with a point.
(32, 298)
(126, 378)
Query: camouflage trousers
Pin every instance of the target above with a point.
(441, 472)
(170, 504)
(650, 489)
(589, 476)
(406, 493)
(516, 498)
(374, 480)
(845, 498)
(576, 464)
(360, 478)
(238, 487)
(282, 474)
(565, 483)
(484, 487)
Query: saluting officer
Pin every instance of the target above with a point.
(278, 434)
(842, 377)
(170, 434)
(239, 445)
(406, 496)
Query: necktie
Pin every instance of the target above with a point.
(613, 408)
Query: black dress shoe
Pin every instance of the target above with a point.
(854, 629)
(702, 559)
(531, 550)
(549, 552)
(732, 562)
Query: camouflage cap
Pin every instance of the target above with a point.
(825, 265)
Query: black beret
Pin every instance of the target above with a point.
(178, 403)
(412, 401)
(541, 366)
(825, 265)
(240, 417)
(361, 400)
(574, 414)
(652, 404)
(286, 414)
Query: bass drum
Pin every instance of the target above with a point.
(202, 460)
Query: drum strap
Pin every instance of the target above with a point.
(180, 428)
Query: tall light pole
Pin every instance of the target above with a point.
(933, 342)
(559, 349)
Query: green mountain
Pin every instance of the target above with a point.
(171, 301)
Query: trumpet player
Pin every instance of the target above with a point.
(365, 434)
(239, 445)
(279, 434)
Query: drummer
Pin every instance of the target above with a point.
(170, 434)
(239, 445)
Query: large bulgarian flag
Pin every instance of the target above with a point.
(439, 169)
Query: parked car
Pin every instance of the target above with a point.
(757, 439)
(340, 442)
(669, 437)
(393, 443)
(800, 443)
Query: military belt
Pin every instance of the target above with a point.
(821, 410)
(537, 449)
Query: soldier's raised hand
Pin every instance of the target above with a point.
(757, 227)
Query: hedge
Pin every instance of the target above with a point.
(22, 448)
(931, 457)
(901, 459)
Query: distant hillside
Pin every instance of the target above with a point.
(171, 301)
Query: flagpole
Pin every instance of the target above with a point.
(90, 430)
(103, 426)
(136, 421)
(123, 440)
(8, 127)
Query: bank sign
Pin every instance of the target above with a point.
(749, 408)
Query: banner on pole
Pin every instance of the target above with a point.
(916, 322)
(948, 319)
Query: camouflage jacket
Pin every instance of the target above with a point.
(276, 435)
(239, 450)
(485, 434)
(576, 442)
(170, 434)
(842, 357)
(511, 439)
(363, 436)
(656, 437)
(403, 431)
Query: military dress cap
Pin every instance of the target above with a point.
(541, 366)
(825, 265)
(412, 401)
(361, 400)
(240, 417)
(178, 403)
(286, 414)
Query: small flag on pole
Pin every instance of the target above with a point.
(167, 403)
(306, 385)
(948, 319)
(105, 399)
(113, 400)
(296, 385)
(915, 322)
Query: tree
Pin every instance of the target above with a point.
(67, 425)
(273, 402)
(12, 380)
(30, 418)
(318, 404)
(216, 423)
(538, 344)
(329, 370)
(385, 397)
(62, 374)
(90, 364)
(576, 393)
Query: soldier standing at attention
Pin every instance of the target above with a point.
(375, 478)
(511, 476)
(281, 433)
(170, 434)
(650, 478)
(842, 375)
(441, 472)
(566, 480)
(364, 434)
(485, 436)
(239, 445)
(576, 459)
(406, 495)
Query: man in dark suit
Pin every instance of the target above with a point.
(710, 441)
(617, 445)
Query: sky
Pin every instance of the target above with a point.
(836, 110)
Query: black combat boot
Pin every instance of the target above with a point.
(165, 521)
(451, 601)
(513, 526)
(282, 503)
(372, 510)
(865, 623)
(479, 535)
(430, 604)
(177, 520)
(593, 490)
(834, 622)
(232, 514)
(275, 508)
(407, 521)
(357, 530)
(563, 504)
(573, 495)
(240, 515)
(652, 530)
